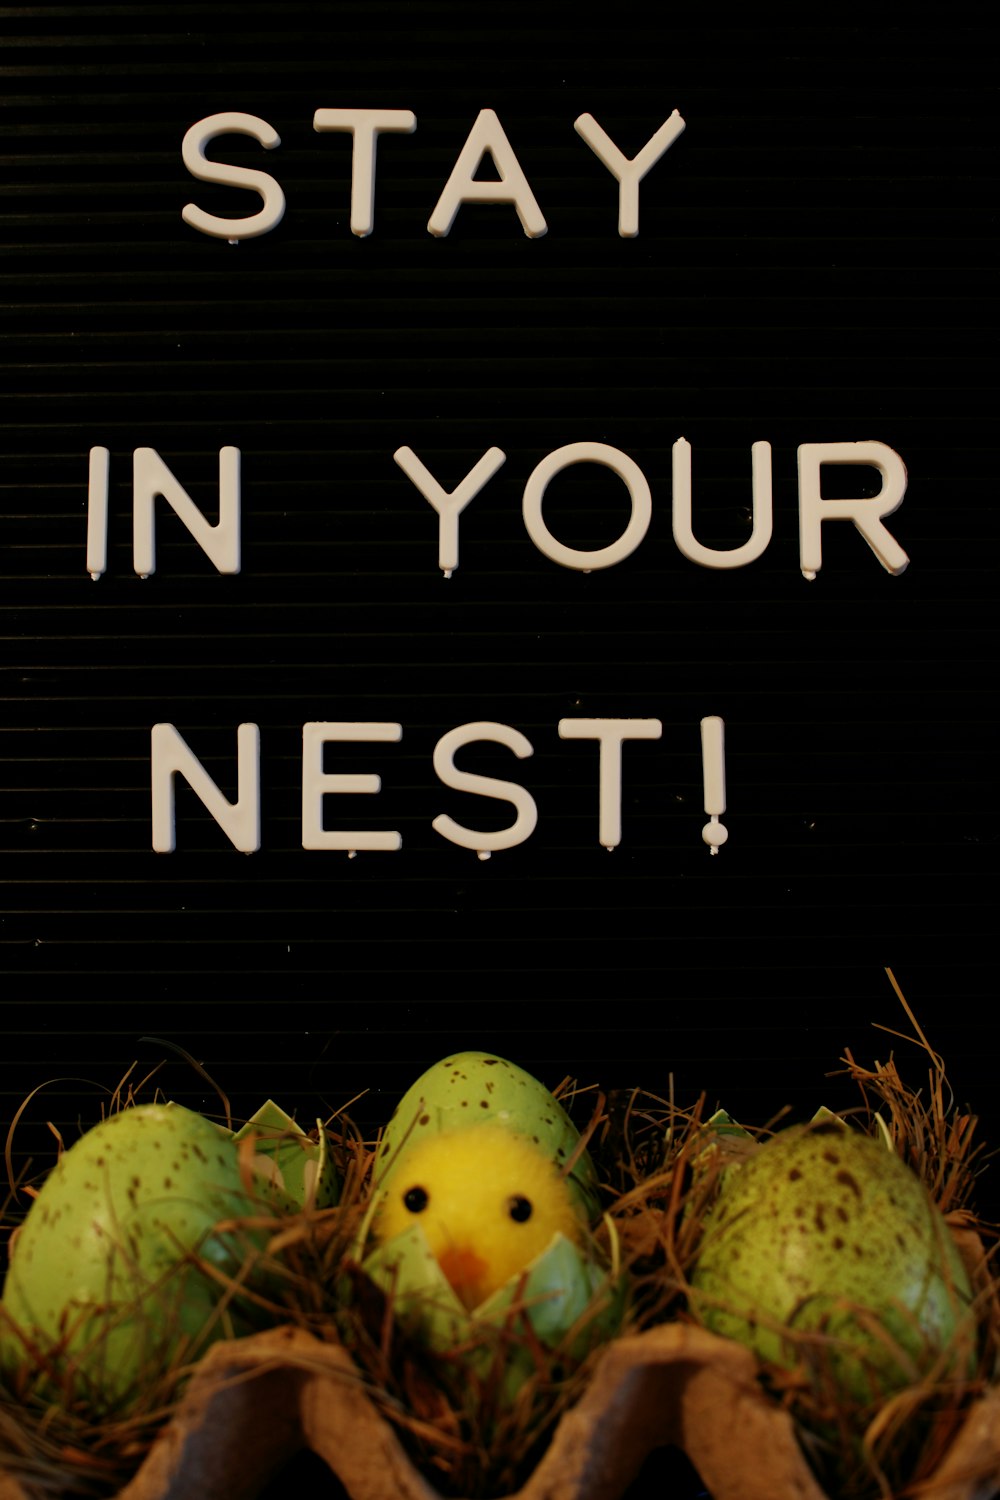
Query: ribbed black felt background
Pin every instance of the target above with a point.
(815, 262)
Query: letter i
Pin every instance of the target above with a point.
(97, 512)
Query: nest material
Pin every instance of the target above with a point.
(255, 1403)
(252, 1405)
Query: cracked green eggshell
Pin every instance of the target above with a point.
(469, 1088)
(300, 1171)
(562, 1289)
(102, 1277)
(827, 1230)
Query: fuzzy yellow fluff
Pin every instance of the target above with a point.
(488, 1201)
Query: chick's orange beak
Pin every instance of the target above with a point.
(465, 1271)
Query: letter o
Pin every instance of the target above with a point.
(587, 453)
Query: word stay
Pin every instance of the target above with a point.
(486, 138)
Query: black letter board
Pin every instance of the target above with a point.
(814, 265)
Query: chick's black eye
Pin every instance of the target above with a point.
(519, 1209)
(416, 1199)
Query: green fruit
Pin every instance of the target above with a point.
(824, 1231)
(476, 1088)
(110, 1282)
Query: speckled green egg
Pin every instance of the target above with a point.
(470, 1088)
(826, 1231)
(110, 1281)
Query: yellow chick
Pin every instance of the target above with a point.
(487, 1200)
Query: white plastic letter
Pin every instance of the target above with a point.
(587, 453)
(316, 783)
(462, 186)
(97, 512)
(365, 125)
(239, 820)
(760, 535)
(713, 766)
(866, 514)
(628, 172)
(232, 122)
(484, 786)
(151, 477)
(611, 735)
(449, 506)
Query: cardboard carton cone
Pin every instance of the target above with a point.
(253, 1404)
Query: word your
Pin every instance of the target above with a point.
(486, 138)
(151, 478)
(171, 756)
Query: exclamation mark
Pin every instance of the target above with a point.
(713, 764)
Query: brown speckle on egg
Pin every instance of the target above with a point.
(903, 1272)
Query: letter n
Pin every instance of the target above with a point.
(239, 820)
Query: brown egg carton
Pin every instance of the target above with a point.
(254, 1404)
